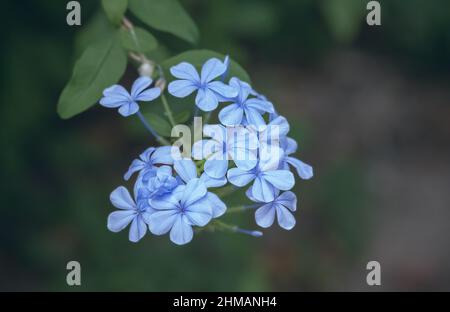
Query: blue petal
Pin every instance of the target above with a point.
(260, 105)
(118, 220)
(278, 128)
(243, 87)
(231, 115)
(129, 109)
(240, 177)
(121, 199)
(117, 91)
(217, 205)
(194, 191)
(281, 179)
(204, 148)
(222, 89)
(138, 229)
(182, 88)
(160, 222)
(212, 69)
(304, 171)
(148, 95)
(285, 218)
(181, 232)
(290, 146)
(254, 117)
(185, 71)
(212, 182)
(166, 202)
(265, 215)
(135, 166)
(186, 169)
(200, 212)
(206, 100)
(139, 85)
(113, 101)
(262, 190)
(288, 200)
(163, 155)
(216, 168)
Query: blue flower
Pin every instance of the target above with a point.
(268, 179)
(118, 96)
(207, 89)
(134, 212)
(185, 207)
(289, 146)
(244, 108)
(282, 206)
(237, 144)
(147, 161)
(162, 183)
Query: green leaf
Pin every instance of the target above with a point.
(115, 9)
(166, 15)
(161, 125)
(182, 117)
(100, 66)
(140, 41)
(198, 58)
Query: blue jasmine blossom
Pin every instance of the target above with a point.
(243, 107)
(117, 96)
(185, 207)
(131, 211)
(237, 144)
(162, 183)
(207, 89)
(145, 165)
(289, 146)
(282, 206)
(268, 179)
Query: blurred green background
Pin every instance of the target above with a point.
(369, 106)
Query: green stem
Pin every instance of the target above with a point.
(169, 113)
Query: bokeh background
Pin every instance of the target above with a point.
(369, 106)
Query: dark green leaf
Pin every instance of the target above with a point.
(198, 58)
(115, 9)
(140, 41)
(161, 125)
(166, 15)
(100, 66)
(182, 117)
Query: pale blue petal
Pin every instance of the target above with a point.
(225, 91)
(231, 115)
(278, 128)
(217, 205)
(304, 171)
(118, 220)
(113, 101)
(262, 190)
(282, 179)
(285, 218)
(149, 95)
(129, 109)
(212, 182)
(185, 71)
(162, 155)
(138, 229)
(288, 200)
(206, 100)
(194, 191)
(243, 87)
(291, 146)
(216, 168)
(265, 215)
(182, 88)
(212, 69)
(116, 91)
(165, 202)
(200, 212)
(260, 105)
(140, 85)
(216, 132)
(270, 157)
(240, 177)
(186, 169)
(204, 148)
(254, 117)
(135, 166)
(249, 194)
(181, 232)
(121, 199)
(160, 222)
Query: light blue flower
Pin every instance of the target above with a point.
(236, 143)
(289, 146)
(147, 161)
(244, 108)
(118, 96)
(207, 89)
(267, 179)
(185, 207)
(282, 206)
(131, 211)
(162, 183)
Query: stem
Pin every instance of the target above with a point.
(241, 208)
(235, 229)
(168, 110)
(159, 138)
(225, 191)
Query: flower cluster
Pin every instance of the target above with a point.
(250, 147)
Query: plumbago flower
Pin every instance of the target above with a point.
(117, 96)
(249, 147)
